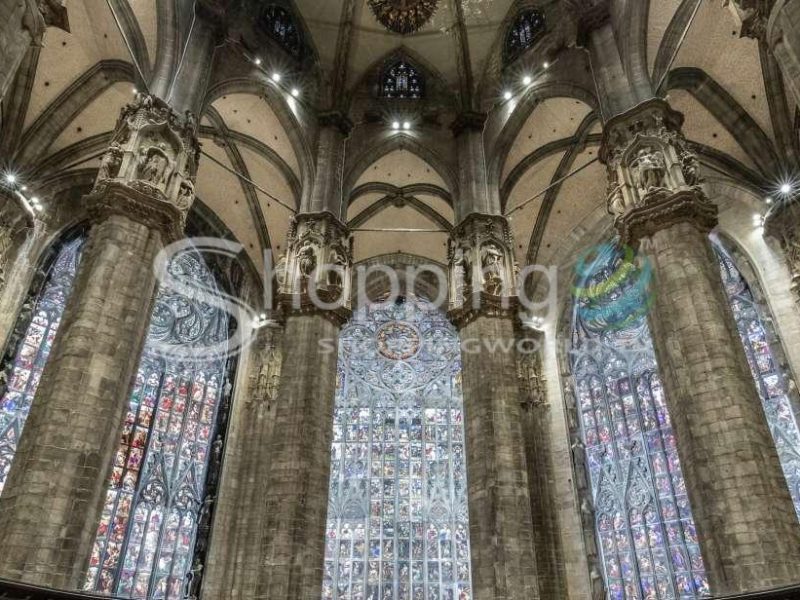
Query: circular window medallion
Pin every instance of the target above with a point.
(403, 16)
(398, 341)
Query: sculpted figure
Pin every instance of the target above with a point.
(649, 170)
(492, 263)
(111, 163)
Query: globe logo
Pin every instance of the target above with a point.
(613, 288)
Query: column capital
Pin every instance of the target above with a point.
(782, 223)
(337, 120)
(154, 154)
(482, 269)
(468, 121)
(314, 276)
(589, 15)
(654, 177)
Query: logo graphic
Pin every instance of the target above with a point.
(614, 287)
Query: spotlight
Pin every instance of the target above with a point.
(526, 80)
(257, 62)
(546, 65)
(508, 95)
(396, 125)
(276, 77)
(263, 316)
(34, 200)
(406, 125)
(786, 188)
(11, 178)
(295, 92)
(134, 91)
(23, 188)
(768, 200)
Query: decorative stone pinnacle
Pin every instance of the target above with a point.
(654, 176)
(155, 152)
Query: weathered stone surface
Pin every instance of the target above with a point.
(234, 564)
(501, 530)
(292, 542)
(52, 500)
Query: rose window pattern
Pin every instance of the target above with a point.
(156, 493)
(398, 525)
(771, 380)
(34, 350)
(646, 535)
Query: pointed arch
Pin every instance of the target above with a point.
(401, 141)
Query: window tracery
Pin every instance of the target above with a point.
(280, 25)
(526, 30)
(643, 520)
(402, 80)
(34, 351)
(770, 377)
(397, 517)
(156, 493)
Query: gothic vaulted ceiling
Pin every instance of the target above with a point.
(65, 102)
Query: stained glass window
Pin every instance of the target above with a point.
(770, 378)
(155, 498)
(402, 80)
(397, 518)
(280, 25)
(34, 351)
(524, 33)
(646, 534)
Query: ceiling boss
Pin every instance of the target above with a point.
(403, 16)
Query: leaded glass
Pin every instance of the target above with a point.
(645, 530)
(524, 32)
(767, 371)
(279, 24)
(397, 519)
(402, 80)
(145, 540)
(34, 350)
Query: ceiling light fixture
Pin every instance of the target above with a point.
(508, 95)
(11, 178)
(526, 80)
(257, 61)
(406, 125)
(396, 125)
(276, 77)
(295, 92)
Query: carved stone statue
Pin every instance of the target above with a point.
(616, 200)
(649, 170)
(338, 262)
(690, 167)
(111, 163)
(154, 166)
(492, 264)
(307, 259)
(185, 195)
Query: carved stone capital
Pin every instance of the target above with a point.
(155, 151)
(139, 204)
(651, 168)
(337, 120)
(318, 263)
(589, 15)
(481, 304)
(468, 121)
(662, 211)
(481, 261)
(782, 223)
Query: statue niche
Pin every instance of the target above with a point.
(155, 166)
(492, 264)
(649, 171)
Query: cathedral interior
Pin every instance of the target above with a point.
(399, 299)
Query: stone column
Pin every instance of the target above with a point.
(535, 416)
(746, 522)
(295, 500)
(233, 564)
(484, 308)
(782, 223)
(22, 25)
(53, 497)
(783, 37)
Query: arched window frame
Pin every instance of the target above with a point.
(401, 79)
(31, 340)
(415, 432)
(280, 24)
(525, 31)
(159, 502)
(765, 357)
(606, 376)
